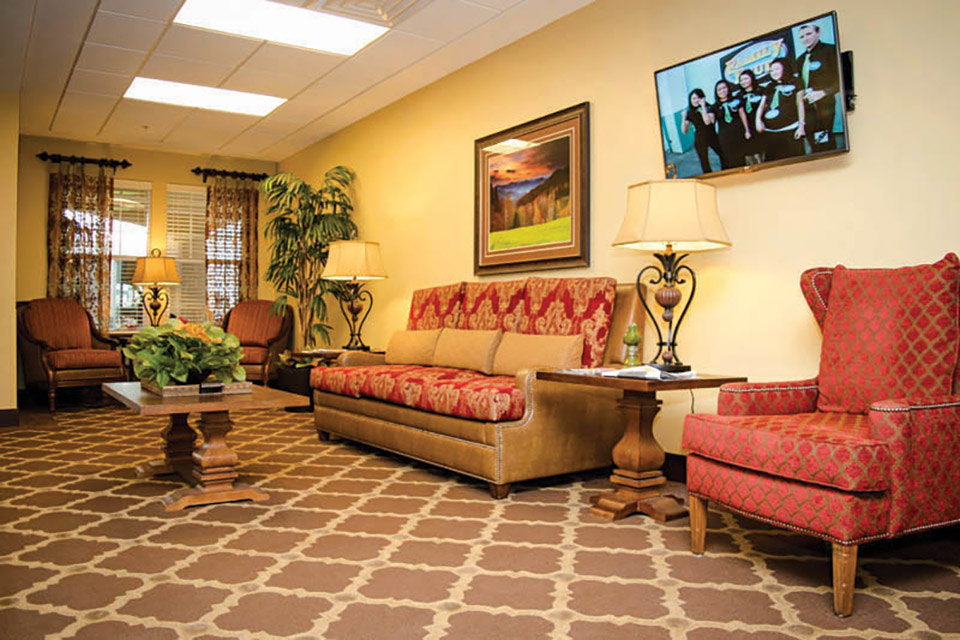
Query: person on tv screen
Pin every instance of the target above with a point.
(817, 68)
(701, 117)
(751, 95)
(781, 114)
(733, 130)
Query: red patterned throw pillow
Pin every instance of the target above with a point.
(889, 333)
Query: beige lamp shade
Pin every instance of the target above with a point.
(354, 260)
(155, 270)
(681, 213)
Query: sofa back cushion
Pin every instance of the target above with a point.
(889, 333)
(253, 323)
(467, 349)
(519, 351)
(571, 306)
(412, 347)
(436, 307)
(492, 305)
(61, 323)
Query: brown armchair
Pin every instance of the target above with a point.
(61, 347)
(263, 335)
(870, 448)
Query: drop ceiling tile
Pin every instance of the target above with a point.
(162, 10)
(36, 111)
(274, 126)
(15, 16)
(131, 116)
(275, 57)
(446, 20)
(389, 54)
(271, 83)
(98, 57)
(499, 5)
(59, 26)
(106, 84)
(82, 114)
(250, 143)
(299, 110)
(177, 69)
(208, 130)
(118, 30)
(207, 46)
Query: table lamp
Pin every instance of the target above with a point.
(667, 216)
(153, 273)
(353, 261)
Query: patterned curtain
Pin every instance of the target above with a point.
(79, 239)
(231, 244)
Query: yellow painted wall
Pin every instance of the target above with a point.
(9, 129)
(892, 201)
(159, 168)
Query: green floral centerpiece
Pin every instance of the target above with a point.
(185, 353)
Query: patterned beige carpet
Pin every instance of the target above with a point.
(355, 544)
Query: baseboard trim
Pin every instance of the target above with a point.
(675, 467)
(9, 417)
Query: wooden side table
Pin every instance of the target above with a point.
(637, 457)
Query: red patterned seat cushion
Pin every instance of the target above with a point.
(443, 390)
(492, 305)
(830, 449)
(254, 355)
(823, 511)
(253, 323)
(568, 306)
(84, 359)
(61, 323)
(889, 333)
(436, 308)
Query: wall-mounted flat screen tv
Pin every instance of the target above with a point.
(774, 99)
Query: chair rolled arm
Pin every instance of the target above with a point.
(768, 398)
(360, 359)
(923, 435)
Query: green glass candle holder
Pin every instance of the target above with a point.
(632, 338)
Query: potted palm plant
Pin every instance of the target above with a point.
(302, 221)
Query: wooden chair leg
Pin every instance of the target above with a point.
(844, 575)
(499, 491)
(698, 524)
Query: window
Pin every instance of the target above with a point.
(131, 221)
(186, 232)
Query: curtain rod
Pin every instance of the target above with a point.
(101, 162)
(220, 173)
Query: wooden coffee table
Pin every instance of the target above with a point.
(212, 466)
(638, 456)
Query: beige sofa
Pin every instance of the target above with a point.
(561, 428)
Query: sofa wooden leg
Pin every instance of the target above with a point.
(52, 399)
(844, 575)
(698, 524)
(324, 436)
(498, 491)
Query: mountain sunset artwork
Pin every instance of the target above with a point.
(530, 196)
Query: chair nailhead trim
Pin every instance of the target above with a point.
(765, 389)
(942, 405)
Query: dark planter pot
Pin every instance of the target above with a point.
(295, 380)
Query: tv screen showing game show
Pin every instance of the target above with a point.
(773, 99)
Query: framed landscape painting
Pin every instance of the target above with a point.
(532, 195)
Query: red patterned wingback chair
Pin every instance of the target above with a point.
(60, 346)
(870, 448)
(262, 333)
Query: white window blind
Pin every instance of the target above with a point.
(131, 223)
(186, 231)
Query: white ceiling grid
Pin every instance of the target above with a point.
(72, 60)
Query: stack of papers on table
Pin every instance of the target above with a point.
(646, 372)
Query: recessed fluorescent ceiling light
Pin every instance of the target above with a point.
(192, 95)
(280, 23)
